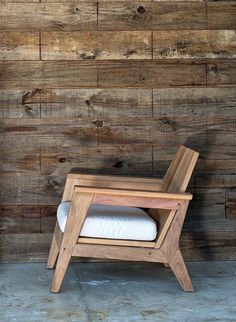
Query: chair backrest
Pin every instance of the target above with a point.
(180, 170)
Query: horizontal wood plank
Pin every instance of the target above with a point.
(77, 15)
(96, 45)
(221, 73)
(196, 44)
(57, 103)
(39, 74)
(15, 104)
(135, 159)
(163, 15)
(221, 15)
(194, 101)
(37, 133)
(150, 74)
(230, 204)
(19, 46)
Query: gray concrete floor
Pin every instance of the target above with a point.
(117, 292)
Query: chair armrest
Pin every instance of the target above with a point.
(134, 193)
(114, 178)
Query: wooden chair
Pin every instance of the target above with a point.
(166, 199)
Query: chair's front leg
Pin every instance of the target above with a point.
(54, 249)
(76, 217)
(171, 251)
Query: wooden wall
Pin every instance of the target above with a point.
(116, 86)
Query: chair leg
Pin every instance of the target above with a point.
(54, 249)
(75, 220)
(179, 269)
(62, 264)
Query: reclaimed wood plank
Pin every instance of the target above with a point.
(28, 189)
(76, 15)
(134, 159)
(196, 44)
(19, 45)
(221, 15)
(230, 204)
(96, 45)
(204, 245)
(13, 104)
(15, 133)
(151, 15)
(27, 219)
(24, 247)
(194, 101)
(148, 74)
(221, 73)
(18, 161)
(41, 74)
(57, 103)
(219, 181)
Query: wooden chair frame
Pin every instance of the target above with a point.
(167, 208)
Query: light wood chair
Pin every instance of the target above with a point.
(166, 199)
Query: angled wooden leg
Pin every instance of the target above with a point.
(76, 216)
(171, 251)
(179, 269)
(54, 249)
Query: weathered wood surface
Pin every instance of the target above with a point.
(77, 15)
(231, 204)
(40, 74)
(96, 45)
(15, 104)
(221, 15)
(15, 45)
(116, 87)
(164, 15)
(194, 44)
(221, 73)
(113, 159)
(150, 74)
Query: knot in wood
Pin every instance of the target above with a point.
(141, 9)
(98, 123)
(62, 160)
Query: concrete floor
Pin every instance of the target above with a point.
(117, 292)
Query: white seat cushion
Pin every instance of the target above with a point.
(113, 222)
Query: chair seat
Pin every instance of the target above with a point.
(114, 222)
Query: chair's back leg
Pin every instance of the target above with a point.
(76, 216)
(54, 249)
(171, 251)
(179, 269)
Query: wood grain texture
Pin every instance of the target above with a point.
(221, 15)
(231, 204)
(143, 15)
(39, 74)
(195, 101)
(96, 45)
(112, 159)
(19, 45)
(221, 73)
(150, 74)
(194, 44)
(95, 103)
(77, 15)
(15, 104)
